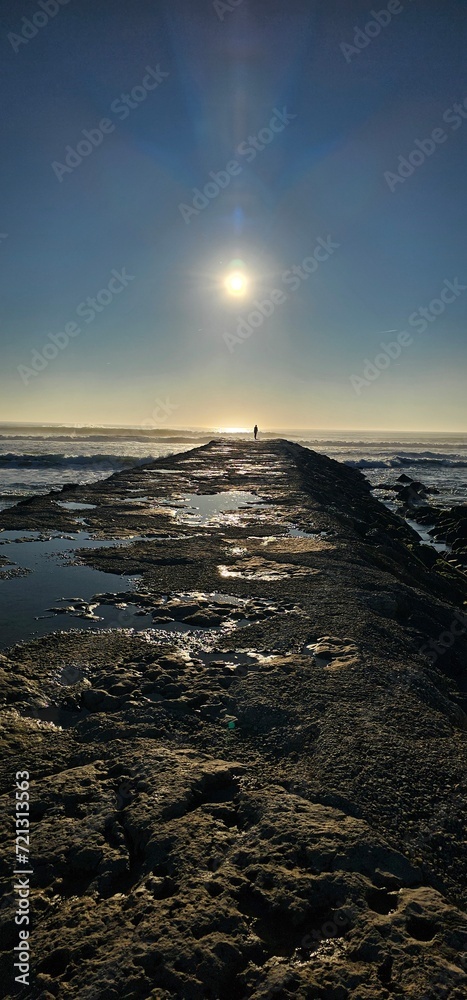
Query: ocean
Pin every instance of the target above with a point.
(35, 459)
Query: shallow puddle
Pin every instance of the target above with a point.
(257, 568)
(23, 599)
(426, 538)
(228, 599)
(23, 536)
(252, 573)
(47, 592)
(204, 508)
(294, 532)
(70, 505)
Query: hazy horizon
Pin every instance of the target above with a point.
(194, 428)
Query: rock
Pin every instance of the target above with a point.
(180, 610)
(204, 619)
(410, 494)
(99, 701)
(335, 653)
(385, 604)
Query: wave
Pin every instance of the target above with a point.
(384, 445)
(70, 430)
(435, 455)
(17, 461)
(401, 461)
(339, 438)
(162, 437)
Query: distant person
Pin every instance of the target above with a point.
(255, 431)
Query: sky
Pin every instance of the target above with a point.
(116, 304)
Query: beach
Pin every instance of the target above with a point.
(246, 754)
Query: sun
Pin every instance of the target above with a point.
(236, 283)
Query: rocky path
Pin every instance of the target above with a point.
(261, 793)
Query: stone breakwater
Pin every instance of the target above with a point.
(262, 793)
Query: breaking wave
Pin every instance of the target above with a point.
(401, 461)
(20, 461)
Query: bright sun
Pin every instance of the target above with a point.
(236, 283)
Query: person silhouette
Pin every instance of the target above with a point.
(255, 431)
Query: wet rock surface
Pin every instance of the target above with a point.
(448, 525)
(261, 794)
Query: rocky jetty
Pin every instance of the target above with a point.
(260, 794)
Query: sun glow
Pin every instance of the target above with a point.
(236, 283)
(233, 430)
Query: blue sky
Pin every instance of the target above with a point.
(162, 336)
